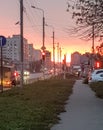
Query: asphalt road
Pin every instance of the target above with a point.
(84, 111)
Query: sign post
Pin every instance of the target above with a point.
(2, 43)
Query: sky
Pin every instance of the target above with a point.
(55, 15)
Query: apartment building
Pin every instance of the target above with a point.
(12, 50)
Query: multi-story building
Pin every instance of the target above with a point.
(75, 58)
(12, 50)
(37, 54)
(31, 52)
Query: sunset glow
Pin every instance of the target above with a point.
(33, 26)
(68, 58)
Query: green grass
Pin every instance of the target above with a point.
(35, 106)
(97, 87)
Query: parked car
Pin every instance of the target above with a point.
(95, 76)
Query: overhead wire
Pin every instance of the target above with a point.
(31, 17)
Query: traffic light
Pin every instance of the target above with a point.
(97, 64)
(43, 56)
(15, 73)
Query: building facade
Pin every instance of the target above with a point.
(12, 51)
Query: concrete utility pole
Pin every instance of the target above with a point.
(93, 38)
(60, 58)
(21, 40)
(1, 71)
(53, 46)
(53, 52)
(65, 66)
(43, 46)
(58, 51)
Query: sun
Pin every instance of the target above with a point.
(68, 58)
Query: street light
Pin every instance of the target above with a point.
(43, 46)
(60, 58)
(53, 46)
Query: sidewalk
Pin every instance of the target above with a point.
(83, 110)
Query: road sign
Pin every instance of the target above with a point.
(2, 41)
(43, 47)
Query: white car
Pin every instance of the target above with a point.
(95, 76)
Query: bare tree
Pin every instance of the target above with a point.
(87, 13)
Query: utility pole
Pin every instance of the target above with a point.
(53, 53)
(60, 58)
(1, 87)
(21, 40)
(58, 51)
(53, 46)
(92, 59)
(65, 66)
(43, 45)
(43, 48)
(93, 38)
(43, 33)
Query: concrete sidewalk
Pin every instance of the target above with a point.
(83, 110)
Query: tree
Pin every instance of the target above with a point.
(88, 14)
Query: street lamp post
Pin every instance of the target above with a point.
(53, 53)
(53, 46)
(60, 58)
(43, 46)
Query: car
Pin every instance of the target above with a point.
(95, 76)
(26, 72)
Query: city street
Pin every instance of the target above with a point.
(84, 111)
(35, 76)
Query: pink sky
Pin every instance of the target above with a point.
(55, 15)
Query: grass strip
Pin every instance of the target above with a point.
(35, 106)
(97, 87)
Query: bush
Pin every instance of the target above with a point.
(97, 87)
(85, 80)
